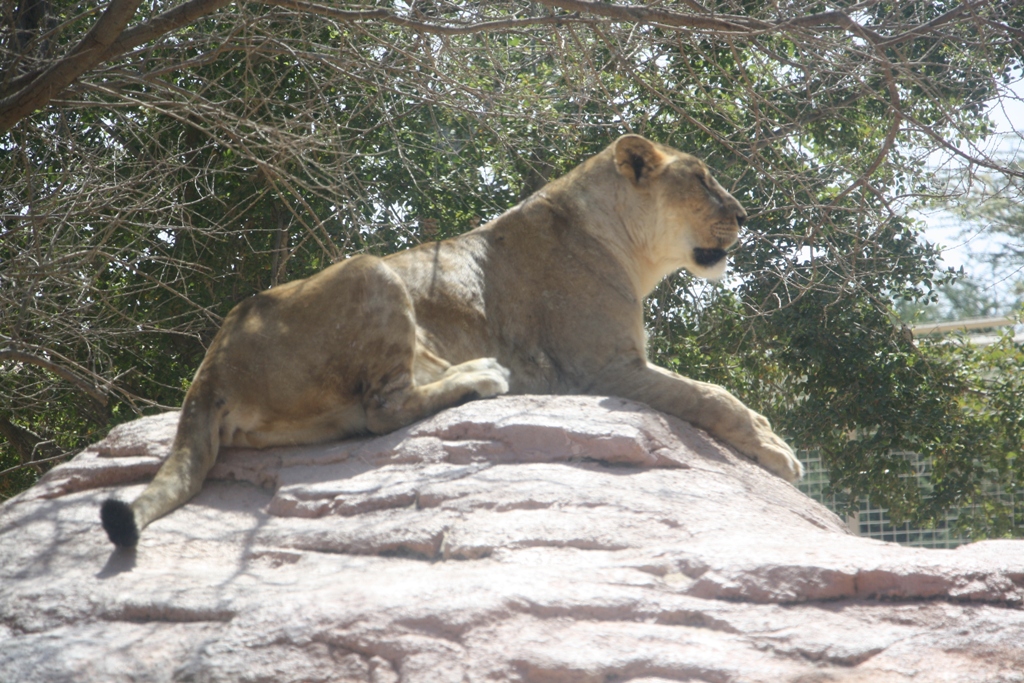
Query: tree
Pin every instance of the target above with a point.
(994, 206)
(989, 207)
(163, 162)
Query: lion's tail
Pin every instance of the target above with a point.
(179, 478)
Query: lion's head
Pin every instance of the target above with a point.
(690, 219)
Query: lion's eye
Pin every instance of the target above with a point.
(702, 180)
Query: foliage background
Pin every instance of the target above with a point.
(257, 142)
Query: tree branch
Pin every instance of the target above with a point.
(34, 463)
(87, 54)
(728, 23)
(162, 24)
(29, 446)
(109, 39)
(64, 373)
(924, 28)
(446, 29)
(648, 15)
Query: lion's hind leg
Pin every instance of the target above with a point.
(480, 368)
(480, 378)
(400, 379)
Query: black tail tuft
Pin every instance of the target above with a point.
(119, 521)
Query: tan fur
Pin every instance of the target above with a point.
(547, 298)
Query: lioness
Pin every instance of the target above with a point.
(546, 298)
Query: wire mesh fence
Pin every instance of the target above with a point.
(872, 521)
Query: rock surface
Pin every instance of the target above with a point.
(542, 539)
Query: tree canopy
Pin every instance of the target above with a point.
(163, 161)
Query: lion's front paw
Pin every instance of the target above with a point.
(776, 455)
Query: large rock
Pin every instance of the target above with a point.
(548, 539)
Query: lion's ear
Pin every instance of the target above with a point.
(637, 158)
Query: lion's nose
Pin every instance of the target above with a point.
(741, 218)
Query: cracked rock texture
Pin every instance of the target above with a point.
(547, 539)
